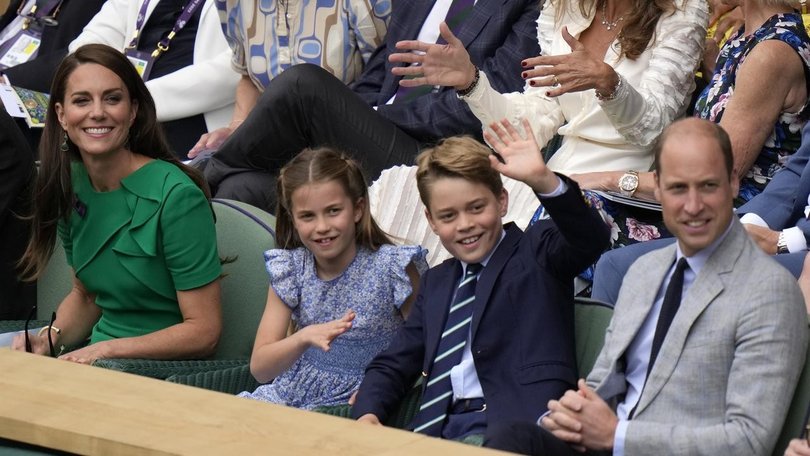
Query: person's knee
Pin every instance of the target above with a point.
(296, 83)
(256, 188)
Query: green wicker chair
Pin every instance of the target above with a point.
(797, 413)
(591, 319)
(243, 234)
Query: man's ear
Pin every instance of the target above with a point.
(735, 183)
(657, 191)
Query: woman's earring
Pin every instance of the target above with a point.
(64, 146)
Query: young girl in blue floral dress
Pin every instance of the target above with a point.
(337, 277)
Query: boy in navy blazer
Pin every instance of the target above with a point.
(517, 346)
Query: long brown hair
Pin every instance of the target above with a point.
(324, 164)
(639, 22)
(53, 197)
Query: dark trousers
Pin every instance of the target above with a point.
(16, 181)
(531, 439)
(305, 106)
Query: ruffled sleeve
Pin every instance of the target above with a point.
(286, 270)
(641, 113)
(395, 260)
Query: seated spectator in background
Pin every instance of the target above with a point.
(135, 223)
(704, 363)
(191, 81)
(492, 328)
(605, 83)
(758, 93)
(373, 121)
(17, 174)
(267, 39)
(34, 70)
(65, 20)
(337, 276)
(775, 220)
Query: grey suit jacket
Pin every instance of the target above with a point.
(729, 365)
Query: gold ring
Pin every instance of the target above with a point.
(556, 81)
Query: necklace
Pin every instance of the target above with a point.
(609, 25)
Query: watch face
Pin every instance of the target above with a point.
(629, 182)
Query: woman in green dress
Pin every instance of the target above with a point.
(135, 223)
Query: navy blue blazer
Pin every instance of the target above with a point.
(782, 202)
(498, 35)
(523, 319)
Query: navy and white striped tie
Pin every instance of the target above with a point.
(438, 392)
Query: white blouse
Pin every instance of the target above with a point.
(612, 135)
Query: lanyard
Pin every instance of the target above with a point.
(163, 45)
(43, 11)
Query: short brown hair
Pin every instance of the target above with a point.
(461, 157)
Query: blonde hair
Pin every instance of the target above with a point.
(461, 157)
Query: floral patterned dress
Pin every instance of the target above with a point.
(786, 135)
(374, 285)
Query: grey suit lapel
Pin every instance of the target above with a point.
(707, 286)
(631, 311)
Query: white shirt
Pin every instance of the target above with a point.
(794, 236)
(611, 135)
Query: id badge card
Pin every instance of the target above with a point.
(20, 48)
(142, 61)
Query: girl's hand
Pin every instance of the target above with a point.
(88, 354)
(322, 335)
(573, 72)
(521, 156)
(434, 64)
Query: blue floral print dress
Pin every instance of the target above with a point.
(786, 135)
(374, 285)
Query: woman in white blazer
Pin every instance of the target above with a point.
(205, 87)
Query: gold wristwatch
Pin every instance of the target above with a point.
(628, 183)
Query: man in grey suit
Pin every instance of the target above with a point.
(705, 361)
(776, 219)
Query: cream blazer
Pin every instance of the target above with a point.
(615, 135)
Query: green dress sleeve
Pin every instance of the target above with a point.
(189, 238)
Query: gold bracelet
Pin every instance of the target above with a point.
(51, 328)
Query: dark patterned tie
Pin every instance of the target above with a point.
(459, 11)
(672, 301)
(438, 392)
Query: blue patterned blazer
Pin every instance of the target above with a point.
(498, 35)
(782, 202)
